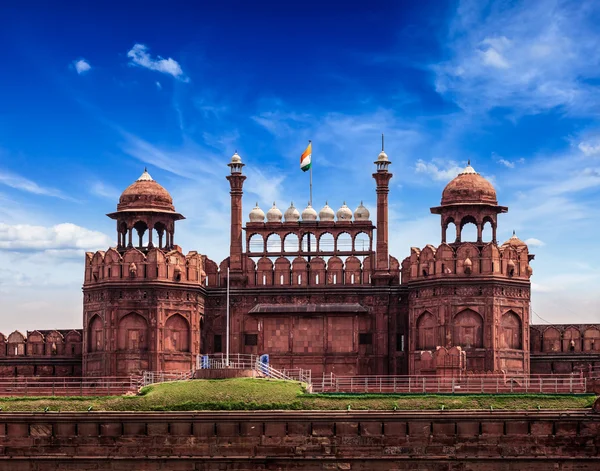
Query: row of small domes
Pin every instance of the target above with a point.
(309, 214)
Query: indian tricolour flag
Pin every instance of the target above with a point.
(305, 158)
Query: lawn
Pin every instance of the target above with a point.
(260, 394)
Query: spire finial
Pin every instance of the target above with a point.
(145, 169)
(514, 233)
(382, 143)
(469, 162)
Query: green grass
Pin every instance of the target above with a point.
(259, 394)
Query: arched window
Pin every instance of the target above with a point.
(326, 242)
(426, 327)
(309, 243)
(177, 334)
(450, 234)
(468, 329)
(344, 242)
(291, 243)
(141, 228)
(487, 233)
(133, 333)
(274, 243)
(96, 335)
(256, 243)
(468, 229)
(510, 331)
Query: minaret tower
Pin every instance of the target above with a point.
(236, 182)
(382, 177)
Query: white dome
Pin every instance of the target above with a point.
(326, 214)
(236, 159)
(145, 177)
(468, 169)
(361, 213)
(292, 214)
(257, 214)
(344, 213)
(382, 157)
(274, 214)
(309, 213)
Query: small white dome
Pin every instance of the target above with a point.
(309, 213)
(344, 213)
(236, 159)
(145, 177)
(292, 214)
(326, 214)
(274, 214)
(382, 157)
(468, 169)
(257, 214)
(361, 213)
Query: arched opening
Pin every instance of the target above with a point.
(449, 235)
(487, 233)
(468, 229)
(426, 326)
(133, 333)
(256, 243)
(309, 242)
(591, 340)
(551, 340)
(468, 329)
(291, 243)
(510, 331)
(362, 242)
(344, 242)
(160, 239)
(122, 242)
(177, 334)
(274, 243)
(141, 228)
(326, 242)
(571, 340)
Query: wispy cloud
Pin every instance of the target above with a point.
(81, 66)
(104, 190)
(65, 236)
(18, 182)
(530, 56)
(438, 171)
(139, 56)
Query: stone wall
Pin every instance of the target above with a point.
(563, 440)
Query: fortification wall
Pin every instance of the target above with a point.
(561, 440)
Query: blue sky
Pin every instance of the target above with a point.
(91, 94)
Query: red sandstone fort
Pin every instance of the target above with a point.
(313, 290)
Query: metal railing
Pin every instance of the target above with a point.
(491, 384)
(68, 386)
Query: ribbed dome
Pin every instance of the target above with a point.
(257, 214)
(235, 158)
(292, 214)
(145, 194)
(344, 213)
(361, 213)
(469, 187)
(274, 214)
(326, 214)
(514, 241)
(309, 213)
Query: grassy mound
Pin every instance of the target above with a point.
(260, 394)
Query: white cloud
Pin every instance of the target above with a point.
(139, 56)
(532, 242)
(104, 190)
(21, 183)
(158, 85)
(82, 66)
(436, 171)
(522, 55)
(590, 148)
(64, 236)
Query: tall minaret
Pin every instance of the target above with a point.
(382, 177)
(236, 182)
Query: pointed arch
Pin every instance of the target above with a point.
(95, 334)
(426, 331)
(468, 329)
(511, 332)
(133, 333)
(177, 334)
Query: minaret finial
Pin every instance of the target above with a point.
(145, 169)
(382, 143)
(469, 162)
(514, 232)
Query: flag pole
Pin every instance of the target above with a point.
(310, 142)
(227, 328)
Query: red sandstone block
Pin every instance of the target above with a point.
(269, 450)
(181, 428)
(419, 429)
(65, 430)
(134, 428)
(17, 430)
(587, 429)
(87, 429)
(298, 428)
(517, 427)
(322, 429)
(371, 429)
(251, 429)
(275, 429)
(227, 429)
(111, 429)
(444, 428)
(203, 429)
(494, 429)
(157, 429)
(2, 429)
(541, 428)
(346, 428)
(394, 429)
(565, 428)
(467, 429)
